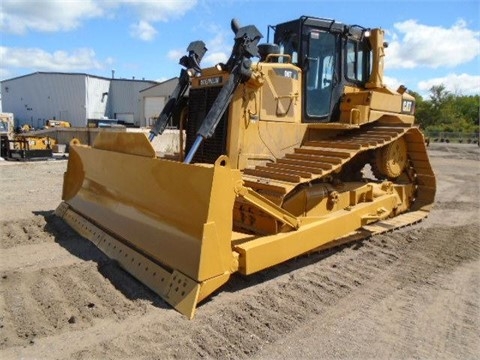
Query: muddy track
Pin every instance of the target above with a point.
(412, 293)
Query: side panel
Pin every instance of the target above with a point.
(281, 93)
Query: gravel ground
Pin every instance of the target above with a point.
(413, 293)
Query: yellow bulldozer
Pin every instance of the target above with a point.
(290, 147)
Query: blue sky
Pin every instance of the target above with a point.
(431, 42)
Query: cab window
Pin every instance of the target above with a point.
(357, 61)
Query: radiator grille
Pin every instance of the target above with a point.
(199, 103)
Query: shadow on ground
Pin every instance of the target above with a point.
(82, 248)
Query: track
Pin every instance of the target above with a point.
(317, 161)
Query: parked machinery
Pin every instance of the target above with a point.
(6, 132)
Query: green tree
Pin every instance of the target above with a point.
(447, 112)
(423, 111)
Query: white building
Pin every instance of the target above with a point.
(74, 97)
(154, 99)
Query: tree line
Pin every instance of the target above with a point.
(446, 113)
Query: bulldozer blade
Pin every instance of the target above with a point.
(167, 223)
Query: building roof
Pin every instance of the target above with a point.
(78, 74)
(160, 83)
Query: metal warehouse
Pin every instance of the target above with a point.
(154, 99)
(74, 97)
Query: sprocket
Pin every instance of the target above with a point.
(391, 160)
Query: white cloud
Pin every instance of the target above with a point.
(418, 45)
(213, 58)
(143, 31)
(391, 82)
(176, 54)
(462, 84)
(41, 60)
(5, 74)
(22, 16)
(219, 46)
(151, 11)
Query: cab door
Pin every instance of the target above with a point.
(320, 77)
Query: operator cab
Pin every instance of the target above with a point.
(331, 55)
